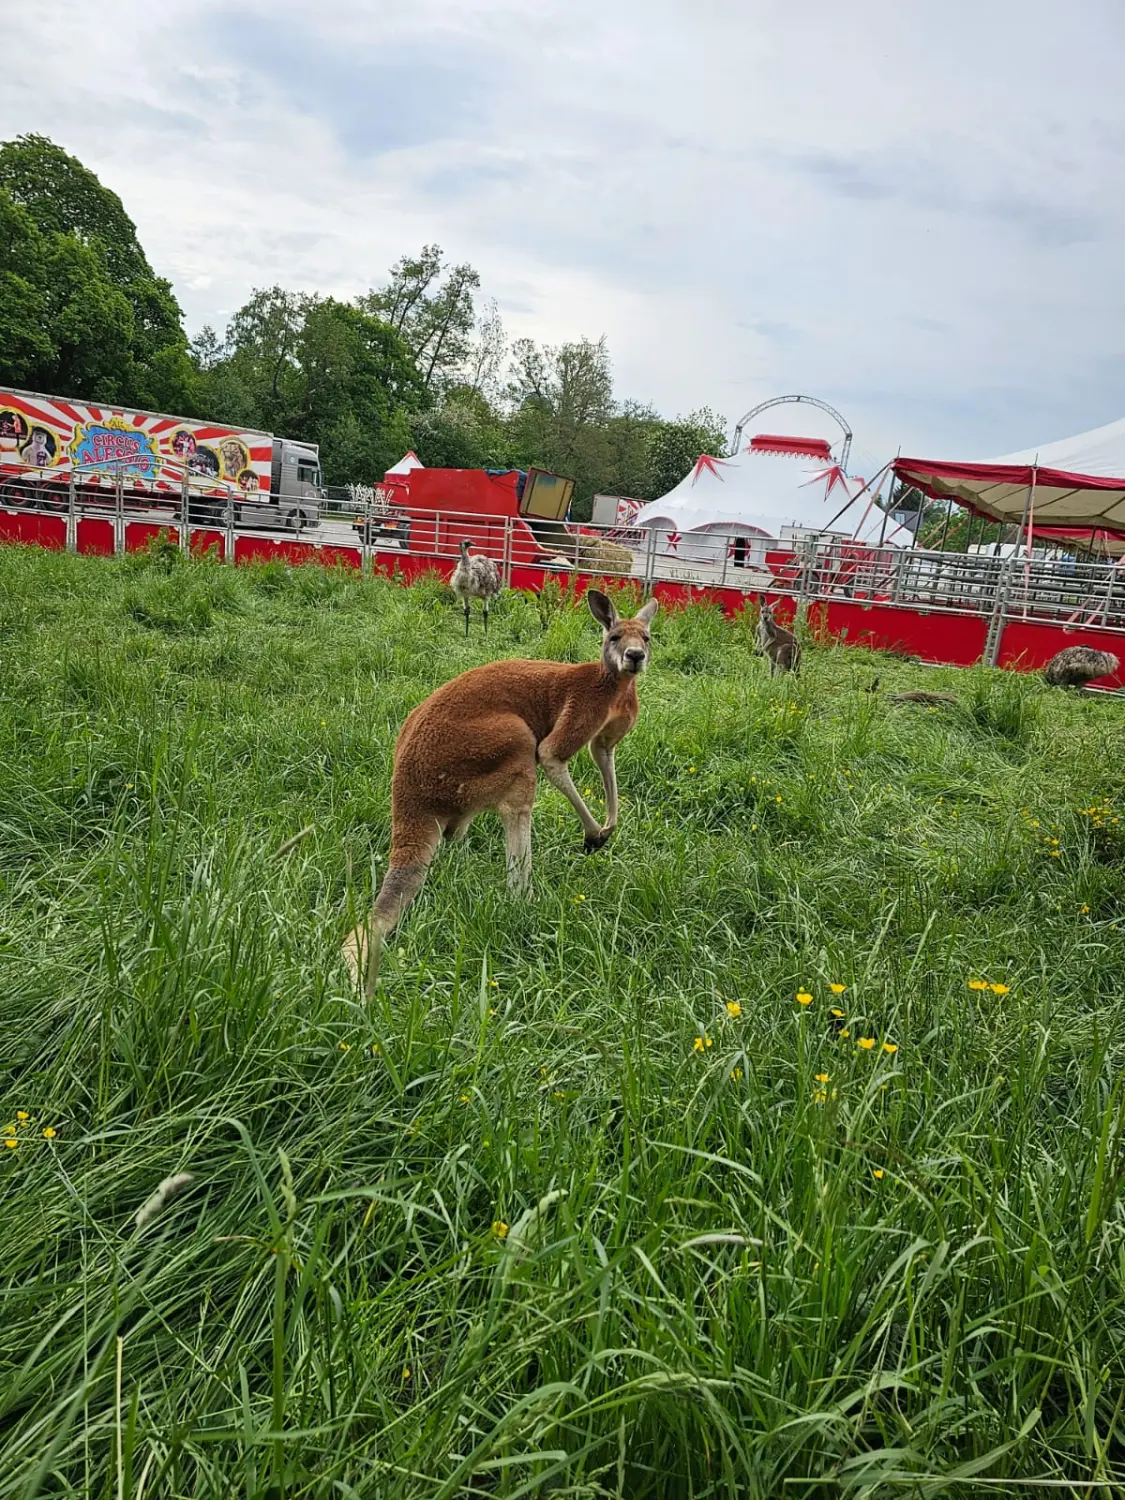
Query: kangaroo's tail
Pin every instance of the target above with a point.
(413, 842)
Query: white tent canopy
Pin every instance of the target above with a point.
(771, 490)
(405, 465)
(1077, 483)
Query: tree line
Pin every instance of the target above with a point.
(421, 361)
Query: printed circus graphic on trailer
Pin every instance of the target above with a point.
(101, 445)
(116, 448)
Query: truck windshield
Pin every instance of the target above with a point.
(308, 475)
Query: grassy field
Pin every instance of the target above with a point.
(589, 1201)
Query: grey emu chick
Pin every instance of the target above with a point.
(475, 578)
(780, 645)
(1077, 665)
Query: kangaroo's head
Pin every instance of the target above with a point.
(625, 643)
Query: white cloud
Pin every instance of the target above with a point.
(908, 210)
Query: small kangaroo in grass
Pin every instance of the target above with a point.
(474, 745)
(780, 645)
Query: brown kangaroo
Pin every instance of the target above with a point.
(780, 645)
(474, 744)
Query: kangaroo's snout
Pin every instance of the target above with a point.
(635, 658)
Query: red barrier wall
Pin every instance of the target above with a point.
(1027, 645)
(95, 535)
(138, 534)
(934, 635)
(33, 528)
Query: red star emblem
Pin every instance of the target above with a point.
(706, 462)
(673, 540)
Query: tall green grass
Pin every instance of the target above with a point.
(585, 1203)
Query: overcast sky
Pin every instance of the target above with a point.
(912, 209)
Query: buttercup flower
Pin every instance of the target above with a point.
(891, 1047)
(866, 1042)
(49, 1134)
(878, 1174)
(803, 997)
(837, 989)
(11, 1142)
(978, 984)
(734, 1010)
(499, 1229)
(821, 1077)
(22, 1114)
(998, 989)
(735, 1074)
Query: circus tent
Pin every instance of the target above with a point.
(778, 487)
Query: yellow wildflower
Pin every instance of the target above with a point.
(837, 1012)
(500, 1229)
(345, 1047)
(49, 1134)
(1085, 909)
(819, 1097)
(734, 1010)
(803, 997)
(998, 989)
(821, 1077)
(9, 1130)
(465, 1099)
(978, 984)
(11, 1142)
(837, 989)
(22, 1114)
(866, 1042)
(735, 1074)
(845, 1034)
(891, 1047)
(878, 1174)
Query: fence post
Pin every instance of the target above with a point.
(996, 622)
(119, 514)
(71, 516)
(726, 556)
(506, 566)
(365, 568)
(185, 515)
(228, 533)
(650, 560)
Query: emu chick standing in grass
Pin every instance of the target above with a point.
(1075, 666)
(475, 578)
(475, 743)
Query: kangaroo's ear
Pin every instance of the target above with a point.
(646, 611)
(601, 609)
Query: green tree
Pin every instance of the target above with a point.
(317, 369)
(675, 446)
(431, 308)
(86, 315)
(463, 432)
(562, 402)
(25, 347)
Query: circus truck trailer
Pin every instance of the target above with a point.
(51, 447)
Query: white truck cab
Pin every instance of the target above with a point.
(296, 489)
